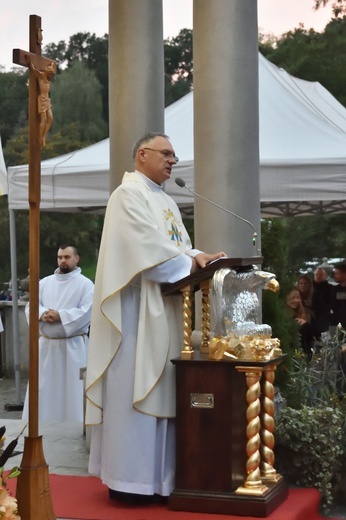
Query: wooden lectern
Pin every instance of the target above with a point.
(224, 420)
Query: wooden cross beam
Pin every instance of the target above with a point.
(33, 492)
(20, 58)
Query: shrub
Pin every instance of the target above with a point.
(310, 432)
(309, 448)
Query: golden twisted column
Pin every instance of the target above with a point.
(268, 473)
(253, 483)
(205, 289)
(187, 352)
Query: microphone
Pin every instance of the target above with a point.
(181, 183)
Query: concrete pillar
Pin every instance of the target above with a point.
(136, 78)
(226, 128)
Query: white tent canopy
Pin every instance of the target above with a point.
(302, 155)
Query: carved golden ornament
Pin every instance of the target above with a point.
(252, 348)
(219, 347)
(273, 285)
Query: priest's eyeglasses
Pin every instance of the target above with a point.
(166, 153)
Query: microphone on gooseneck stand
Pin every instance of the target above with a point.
(181, 183)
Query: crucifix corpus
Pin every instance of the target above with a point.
(33, 491)
(43, 69)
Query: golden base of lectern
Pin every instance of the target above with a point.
(33, 489)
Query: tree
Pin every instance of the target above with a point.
(77, 114)
(88, 49)
(178, 66)
(16, 151)
(22, 225)
(314, 237)
(83, 231)
(76, 98)
(338, 6)
(13, 102)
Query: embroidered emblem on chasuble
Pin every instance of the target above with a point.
(173, 226)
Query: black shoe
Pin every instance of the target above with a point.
(134, 498)
(159, 499)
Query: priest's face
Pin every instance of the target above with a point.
(155, 159)
(67, 260)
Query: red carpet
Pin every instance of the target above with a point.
(86, 498)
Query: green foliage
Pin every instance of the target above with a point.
(79, 96)
(56, 52)
(13, 102)
(65, 140)
(178, 66)
(310, 432)
(309, 448)
(16, 151)
(89, 49)
(274, 313)
(275, 249)
(320, 381)
(314, 237)
(175, 90)
(338, 6)
(90, 270)
(178, 55)
(82, 231)
(76, 98)
(21, 222)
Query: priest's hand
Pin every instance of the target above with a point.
(202, 259)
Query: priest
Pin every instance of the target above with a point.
(135, 331)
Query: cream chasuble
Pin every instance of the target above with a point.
(142, 229)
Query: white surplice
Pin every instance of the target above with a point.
(134, 334)
(63, 346)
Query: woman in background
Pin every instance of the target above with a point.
(302, 316)
(306, 289)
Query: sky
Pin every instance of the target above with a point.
(64, 18)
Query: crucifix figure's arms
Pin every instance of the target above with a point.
(43, 101)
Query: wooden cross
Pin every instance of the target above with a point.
(33, 493)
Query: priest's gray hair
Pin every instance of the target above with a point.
(146, 138)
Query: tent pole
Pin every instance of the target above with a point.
(15, 320)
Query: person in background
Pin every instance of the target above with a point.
(136, 331)
(338, 296)
(302, 316)
(65, 300)
(338, 314)
(321, 302)
(305, 288)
